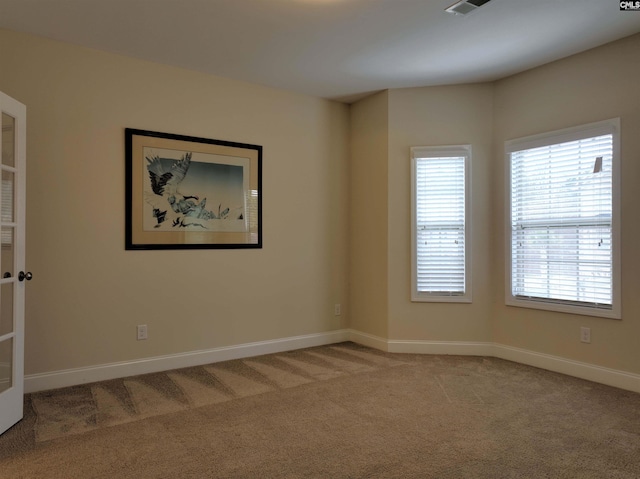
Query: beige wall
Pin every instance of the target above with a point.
(438, 116)
(383, 128)
(88, 293)
(592, 86)
(369, 216)
(336, 207)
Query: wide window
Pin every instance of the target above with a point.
(441, 229)
(563, 221)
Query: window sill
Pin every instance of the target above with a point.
(440, 298)
(613, 313)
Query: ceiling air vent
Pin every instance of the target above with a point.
(465, 6)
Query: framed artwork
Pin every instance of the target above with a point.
(184, 192)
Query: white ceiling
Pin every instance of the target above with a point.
(338, 49)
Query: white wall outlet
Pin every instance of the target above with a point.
(142, 332)
(585, 335)
(337, 309)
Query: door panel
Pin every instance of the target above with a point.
(6, 311)
(12, 257)
(6, 353)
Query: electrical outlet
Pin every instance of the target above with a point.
(142, 332)
(585, 335)
(337, 309)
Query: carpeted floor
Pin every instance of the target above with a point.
(340, 411)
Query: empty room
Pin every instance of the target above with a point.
(320, 238)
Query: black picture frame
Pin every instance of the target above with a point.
(186, 192)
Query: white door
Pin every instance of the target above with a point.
(12, 260)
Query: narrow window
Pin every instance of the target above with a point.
(563, 231)
(441, 229)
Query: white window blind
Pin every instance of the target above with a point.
(440, 226)
(562, 212)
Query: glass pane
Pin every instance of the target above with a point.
(7, 252)
(8, 140)
(6, 309)
(6, 364)
(7, 197)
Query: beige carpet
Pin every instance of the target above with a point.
(342, 411)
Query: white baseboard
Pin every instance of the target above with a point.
(72, 377)
(102, 372)
(590, 372)
(458, 348)
(369, 340)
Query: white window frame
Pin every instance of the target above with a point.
(456, 151)
(590, 130)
